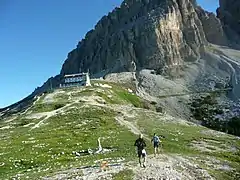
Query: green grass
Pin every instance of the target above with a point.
(130, 98)
(85, 92)
(64, 134)
(173, 143)
(47, 107)
(125, 174)
(117, 94)
(121, 95)
(61, 97)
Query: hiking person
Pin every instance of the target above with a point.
(156, 141)
(140, 144)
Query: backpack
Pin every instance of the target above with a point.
(156, 139)
(140, 143)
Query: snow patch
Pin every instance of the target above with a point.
(103, 85)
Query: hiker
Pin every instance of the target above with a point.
(140, 143)
(156, 141)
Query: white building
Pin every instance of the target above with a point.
(71, 80)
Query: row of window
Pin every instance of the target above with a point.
(75, 79)
(72, 85)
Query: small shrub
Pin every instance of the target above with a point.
(159, 71)
(153, 103)
(159, 109)
(58, 106)
(234, 126)
(23, 122)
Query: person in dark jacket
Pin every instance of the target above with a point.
(141, 144)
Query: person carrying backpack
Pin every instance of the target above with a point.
(140, 144)
(156, 141)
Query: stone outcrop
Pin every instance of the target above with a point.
(212, 27)
(150, 34)
(229, 14)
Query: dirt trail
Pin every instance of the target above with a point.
(170, 167)
(164, 167)
(47, 115)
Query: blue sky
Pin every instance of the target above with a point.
(36, 37)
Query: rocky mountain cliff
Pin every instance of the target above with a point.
(229, 14)
(150, 34)
(171, 37)
(141, 34)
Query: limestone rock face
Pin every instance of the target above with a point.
(152, 34)
(212, 27)
(229, 14)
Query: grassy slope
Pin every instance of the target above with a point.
(40, 151)
(48, 149)
(125, 174)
